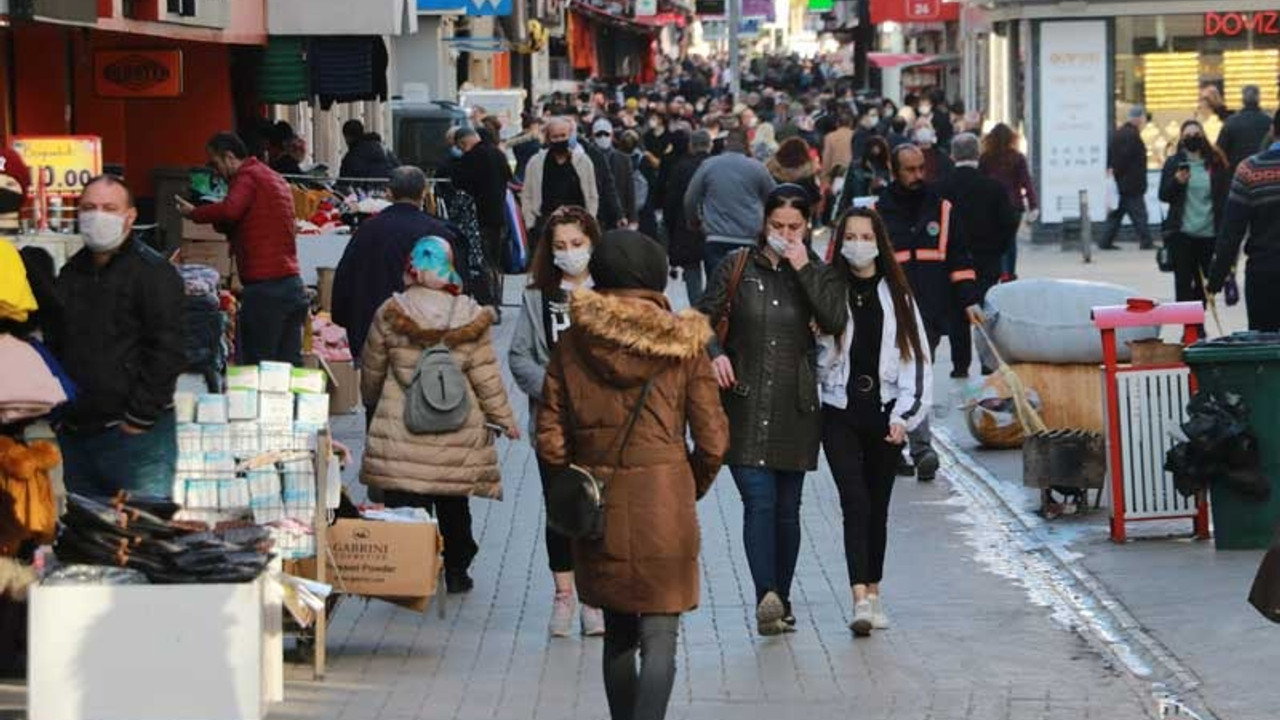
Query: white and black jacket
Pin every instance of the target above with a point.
(908, 384)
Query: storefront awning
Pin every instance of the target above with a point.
(342, 17)
(893, 60)
(603, 17)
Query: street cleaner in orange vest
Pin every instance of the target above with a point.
(934, 253)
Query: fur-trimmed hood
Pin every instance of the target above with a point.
(629, 333)
(791, 174)
(402, 324)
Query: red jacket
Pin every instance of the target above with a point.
(258, 218)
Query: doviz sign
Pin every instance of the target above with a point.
(1263, 22)
(62, 164)
(138, 73)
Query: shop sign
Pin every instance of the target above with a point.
(1263, 22)
(917, 11)
(138, 73)
(1074, 127)
(63, 164)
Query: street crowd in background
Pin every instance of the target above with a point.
(782, 354)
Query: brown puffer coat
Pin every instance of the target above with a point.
(464, 462)
(647, 561)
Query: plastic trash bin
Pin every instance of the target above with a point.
(1247, 364)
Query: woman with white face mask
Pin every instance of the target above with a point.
(875, 382)
(770, 295)
(560, 266)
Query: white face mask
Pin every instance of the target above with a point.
(573, 262)
(604, 143)
(925, 109)
(926, 136)
(779, 244)
(861, 255)
(102, 231)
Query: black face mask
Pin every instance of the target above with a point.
(1194, 143)
(10, 201)
(561, 147)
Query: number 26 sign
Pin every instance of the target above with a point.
(63, 164)
(924, 9)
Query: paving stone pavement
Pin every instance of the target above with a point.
(965, 643)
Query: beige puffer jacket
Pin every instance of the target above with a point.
(464, 462)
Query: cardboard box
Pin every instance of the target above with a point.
(215, 254)
(147, 652)
(384, 559)
(344, 393)
(200, 233)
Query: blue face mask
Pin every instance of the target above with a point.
(573, 142)
(455, 152)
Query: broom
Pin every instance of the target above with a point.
(1028, 416)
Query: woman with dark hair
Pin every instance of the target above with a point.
(560, 266)
(1002, 160)
(869, 175)
(793, 164)
(626, 385)
(765, 362)
(876, 384)
(1195, 182)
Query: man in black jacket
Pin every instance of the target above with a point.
(621, 170)
(367, 158)
(372, 266)
(932, 248)
(483, 173)
(122, 343)
(983, 209)
(1242, 134)
(1127, 163)
(610, 212)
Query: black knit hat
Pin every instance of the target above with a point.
(628, 260)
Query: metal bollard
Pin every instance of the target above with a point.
(1086, 228)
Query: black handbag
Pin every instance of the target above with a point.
(575, 497)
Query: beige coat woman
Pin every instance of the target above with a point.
(464, 462)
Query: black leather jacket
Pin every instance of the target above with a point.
(773, 411)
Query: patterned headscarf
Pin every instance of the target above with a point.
(430, 264)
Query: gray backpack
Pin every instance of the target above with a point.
(436, 400)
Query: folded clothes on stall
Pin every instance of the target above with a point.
(28, 388)
(135, 533)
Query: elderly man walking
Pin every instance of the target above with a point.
(557, 176)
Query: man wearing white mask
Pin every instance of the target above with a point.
(621, 169)
(937, 164)
(122, 344)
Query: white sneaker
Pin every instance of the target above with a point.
(861, 625)
(879, 618)
(562, 615)
(592, 621)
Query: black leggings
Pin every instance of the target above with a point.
(863, 465)
(639, 693)
(559, 547)
(453, 512)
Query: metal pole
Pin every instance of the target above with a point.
(735, 67)
(1086, 228)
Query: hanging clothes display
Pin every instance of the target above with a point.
(348, 69)
(460, 211)
(283, 77)
(17, 301)
(582, 44)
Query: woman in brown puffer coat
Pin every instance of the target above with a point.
(644, 571)
(439, 470)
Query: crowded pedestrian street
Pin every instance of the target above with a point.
(639, 360)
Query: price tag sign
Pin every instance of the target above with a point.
(63, 164)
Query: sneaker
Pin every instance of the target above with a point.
(769, 614)
(592, 621)
(927, 466)
(562, 616)
(861, 625)
(879, 618)
(458, 582)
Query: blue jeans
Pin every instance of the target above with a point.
(100, 464)
(693, 282)
(770, 525)
(272, 313)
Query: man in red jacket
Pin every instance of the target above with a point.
(258, 219)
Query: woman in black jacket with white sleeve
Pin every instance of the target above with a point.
(875, 380)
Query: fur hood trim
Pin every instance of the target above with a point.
(22, 462)
(402, 324)
(791, 174)
(631, 323)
